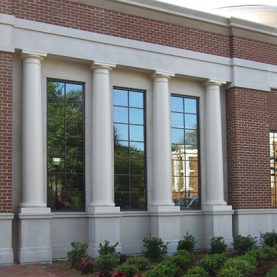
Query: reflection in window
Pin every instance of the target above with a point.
(65, 159)
(273, 166)
(185, 152)
(129, 149)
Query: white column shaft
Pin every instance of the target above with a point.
(214, 150)
(32, 155)
(102, 177)
(161, 142)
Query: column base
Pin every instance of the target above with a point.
(35, 235)
(218, 222)
(6, 251)
(165, 224)
(104, 224)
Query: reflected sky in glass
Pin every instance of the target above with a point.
(177, 120)
(120, 115)
(136, 99)
(177, 104)
(191, 121)
(136, 116)
(121, 131)
(177, 136)
(136, 133)
(120, 97)
(190, 105)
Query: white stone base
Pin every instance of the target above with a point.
(218, 222)
(6, 251)
(165, 224)
(104, 224)
(35, 235)
(254, 221)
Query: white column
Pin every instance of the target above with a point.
(214, 150)
(102, 132)
(32, 155)
(104, 217)
(162, 173)
(34, 240)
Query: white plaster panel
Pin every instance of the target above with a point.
(193, 223)
(66, 230)
(133, 230)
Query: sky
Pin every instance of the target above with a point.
(208, 5)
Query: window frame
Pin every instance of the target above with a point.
(197, 98)
(274, 133)
(83, 174)
(143, 91)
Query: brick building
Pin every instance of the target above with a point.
(124, 119)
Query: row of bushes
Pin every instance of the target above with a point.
(156, 251)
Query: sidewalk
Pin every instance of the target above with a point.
(57, 269)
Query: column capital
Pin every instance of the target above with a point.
(214, 83)
(102, 65)
(33, 54)
(162, 74)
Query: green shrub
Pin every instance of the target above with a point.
(256, 253)
(129, 269)
(188, 243)
(229, 272)
(106, 248)
(156, 249)
(218, 245)
(139, 261)
(164, 269)
(182, 261)
(250, 258)
(212, 263)
(269, 238)
(182, 253)
(77, 253)
(107, 262)
(269, 253)
(244, 244)
(241, 264)
(197, 271)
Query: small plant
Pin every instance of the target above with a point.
(229, 272)
(156, 249)
(140, 262)
(218, 245)
(196, 271)
(128, 269)
(77, 253)
(244, 244)
(106, 248)
(164, 269)
(107, 262)
(269, 253)
(182, 261)
(188, 243)
(86, 266)
(212, 263)
(241, 264)
(269, 238)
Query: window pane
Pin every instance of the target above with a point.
(184, 131)
(129, 147)
(120, 115)
(273, 166)
(65, 161)
(120, 97)
(177, 104)
(190, 105)
(136, 116)
(136, 99)
(177, 136)
(121, 131)
(136, 133)
(191, 121)
(177, 120)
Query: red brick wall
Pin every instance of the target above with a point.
(6, 6)
(248, 148)
(253, 50)
(5, 132)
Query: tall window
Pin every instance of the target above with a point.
(65, 134)
(273, 166)
(185, 151)
(129, 148)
